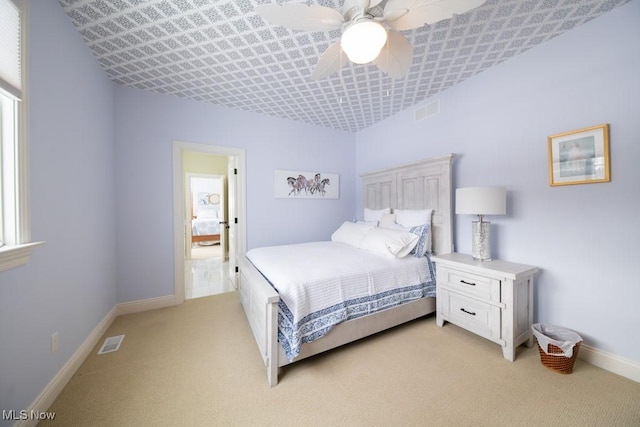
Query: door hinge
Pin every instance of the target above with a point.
(237, 269)
(235, 220)
(235, 171)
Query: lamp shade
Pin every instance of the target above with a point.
(363, 40)
(481, 201)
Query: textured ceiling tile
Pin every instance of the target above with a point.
(222, 52)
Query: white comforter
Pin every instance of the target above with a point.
(205, 226)
(324, 283)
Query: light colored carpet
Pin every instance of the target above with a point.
(198, 365)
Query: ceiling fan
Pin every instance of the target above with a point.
(371, 29)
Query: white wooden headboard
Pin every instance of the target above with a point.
(421, 185)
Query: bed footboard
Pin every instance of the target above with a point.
(205, 238)
(260, 303)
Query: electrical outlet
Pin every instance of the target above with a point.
(54, 342)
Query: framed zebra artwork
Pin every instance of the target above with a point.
(306, 185)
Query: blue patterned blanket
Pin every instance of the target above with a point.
(322, 284)
(293, 335)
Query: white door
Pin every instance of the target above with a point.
(231, 225)
(223, 217)
(236, 234)
(187, 214)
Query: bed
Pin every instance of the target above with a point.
(416, 186)
(205, 219)
(205, 230)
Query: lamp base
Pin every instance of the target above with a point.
(481, 241)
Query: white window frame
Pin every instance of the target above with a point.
(15, 230)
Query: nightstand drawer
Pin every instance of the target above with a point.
(470, 284)
(475, 316)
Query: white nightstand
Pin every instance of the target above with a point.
(493, 299)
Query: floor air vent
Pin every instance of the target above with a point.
(111, 344)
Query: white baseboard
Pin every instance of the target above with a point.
(145, 305)
(45, 399)
(610, 362)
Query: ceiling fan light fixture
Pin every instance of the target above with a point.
(363, 40)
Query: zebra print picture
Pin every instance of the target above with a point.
(306, 185)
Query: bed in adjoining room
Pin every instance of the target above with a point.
(205, 231)
(205, 218)
(368, 276)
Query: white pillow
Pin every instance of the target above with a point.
(423, 231)
(375, 214)
(351, 233)
(395, 226)
(389, 243)
(413, 217)
(386, 220)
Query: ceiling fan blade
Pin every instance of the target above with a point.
(396, 56)
(356, 6)
(331, 60)
(409, 14)
(301, 17)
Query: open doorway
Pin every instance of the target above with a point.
(208, 187)
(206, 272)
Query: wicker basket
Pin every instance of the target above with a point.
(556, 360)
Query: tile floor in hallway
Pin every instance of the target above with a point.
(206, 275)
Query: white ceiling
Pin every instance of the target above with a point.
(221, 52)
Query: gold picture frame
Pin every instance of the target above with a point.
(580, 156)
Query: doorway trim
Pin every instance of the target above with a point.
(179, 227)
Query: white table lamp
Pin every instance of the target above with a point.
(481, 201)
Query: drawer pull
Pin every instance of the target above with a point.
(467, 283)
(468, 312)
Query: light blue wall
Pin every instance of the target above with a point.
(69, 285)
(583, 237)
(147, 124)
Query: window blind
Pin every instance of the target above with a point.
(10, 76)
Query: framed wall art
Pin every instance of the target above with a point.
(306, 185)
(580, 156)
